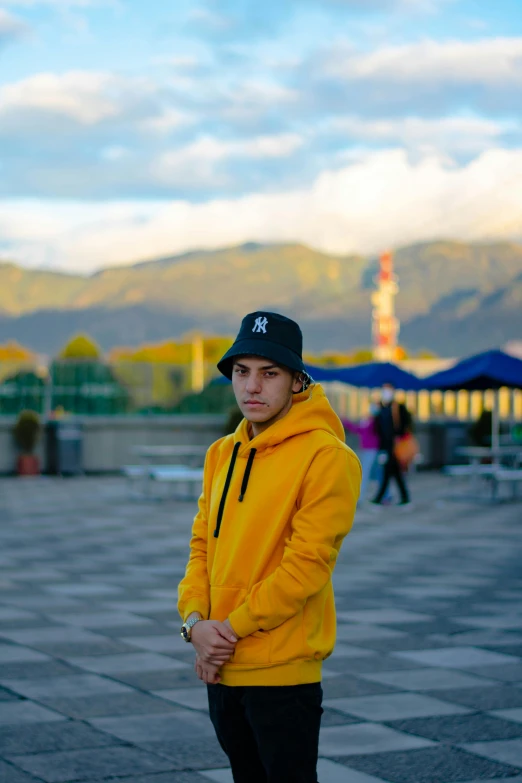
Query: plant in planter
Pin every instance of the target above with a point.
(27, 432)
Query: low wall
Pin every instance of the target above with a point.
(108, 440)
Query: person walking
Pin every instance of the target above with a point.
(257, 603)
(393, 421)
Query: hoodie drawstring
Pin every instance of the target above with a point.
(244, 484)
(221, 509)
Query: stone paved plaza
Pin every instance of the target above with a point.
(425, 685)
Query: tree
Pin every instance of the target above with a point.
(426, 355)
(13, 351)
(81, 346)
(401, 353)
(363, 355)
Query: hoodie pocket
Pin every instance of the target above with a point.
(253, 649)
(287, 640)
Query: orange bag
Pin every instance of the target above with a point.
(406, 447)
(405, 450)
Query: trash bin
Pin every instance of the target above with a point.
(456, 437)
(445, 437)
(64, 447)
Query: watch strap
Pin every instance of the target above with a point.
(189, 625)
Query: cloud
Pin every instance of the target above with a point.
(176, 140)
(87, 97)
(382, 200)
(247, 101)
(197, 164)
(11, 28)
(166, 121)
(260, 147)
(436, 75)
(228, 20)
(489, 61)
(206, 137)
(181, 62)
(452, 135)
(77, 103)
(210, 21)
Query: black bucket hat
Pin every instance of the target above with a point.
(269, 335)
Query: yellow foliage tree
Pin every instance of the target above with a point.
(13, 351)
(171, 352)
(426, 355)
(362, 355)
(81, 346)
(164, 369)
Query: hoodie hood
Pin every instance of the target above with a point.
(310, 411)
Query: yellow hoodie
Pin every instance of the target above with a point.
(272, 517)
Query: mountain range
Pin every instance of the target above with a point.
(455, 298)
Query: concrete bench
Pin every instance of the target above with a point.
(511, 476)
(179, 475)
(146, 474)
(477, 474)
(133, 472)
(176, 473)
(469, 471)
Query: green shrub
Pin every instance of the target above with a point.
(27, 431)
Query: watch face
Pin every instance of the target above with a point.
(184, 632)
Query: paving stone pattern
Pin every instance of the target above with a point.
(425, 685)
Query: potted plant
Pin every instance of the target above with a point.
(26, 432)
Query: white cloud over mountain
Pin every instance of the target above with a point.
(382, 200)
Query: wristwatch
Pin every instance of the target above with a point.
(186, 628)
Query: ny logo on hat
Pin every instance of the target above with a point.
(260, 324)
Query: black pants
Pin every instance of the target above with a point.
(392, 469)
(269, 733)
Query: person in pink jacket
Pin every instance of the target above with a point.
(368, 446)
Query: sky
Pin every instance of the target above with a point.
(131, 130)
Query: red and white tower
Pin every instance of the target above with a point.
(385, 327)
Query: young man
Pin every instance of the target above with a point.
(393, 421)
(279, 496)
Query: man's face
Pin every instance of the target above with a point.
(263, 390)
(388, 393)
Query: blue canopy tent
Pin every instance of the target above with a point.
(369, 376)
(484, 371)
(321, 374)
